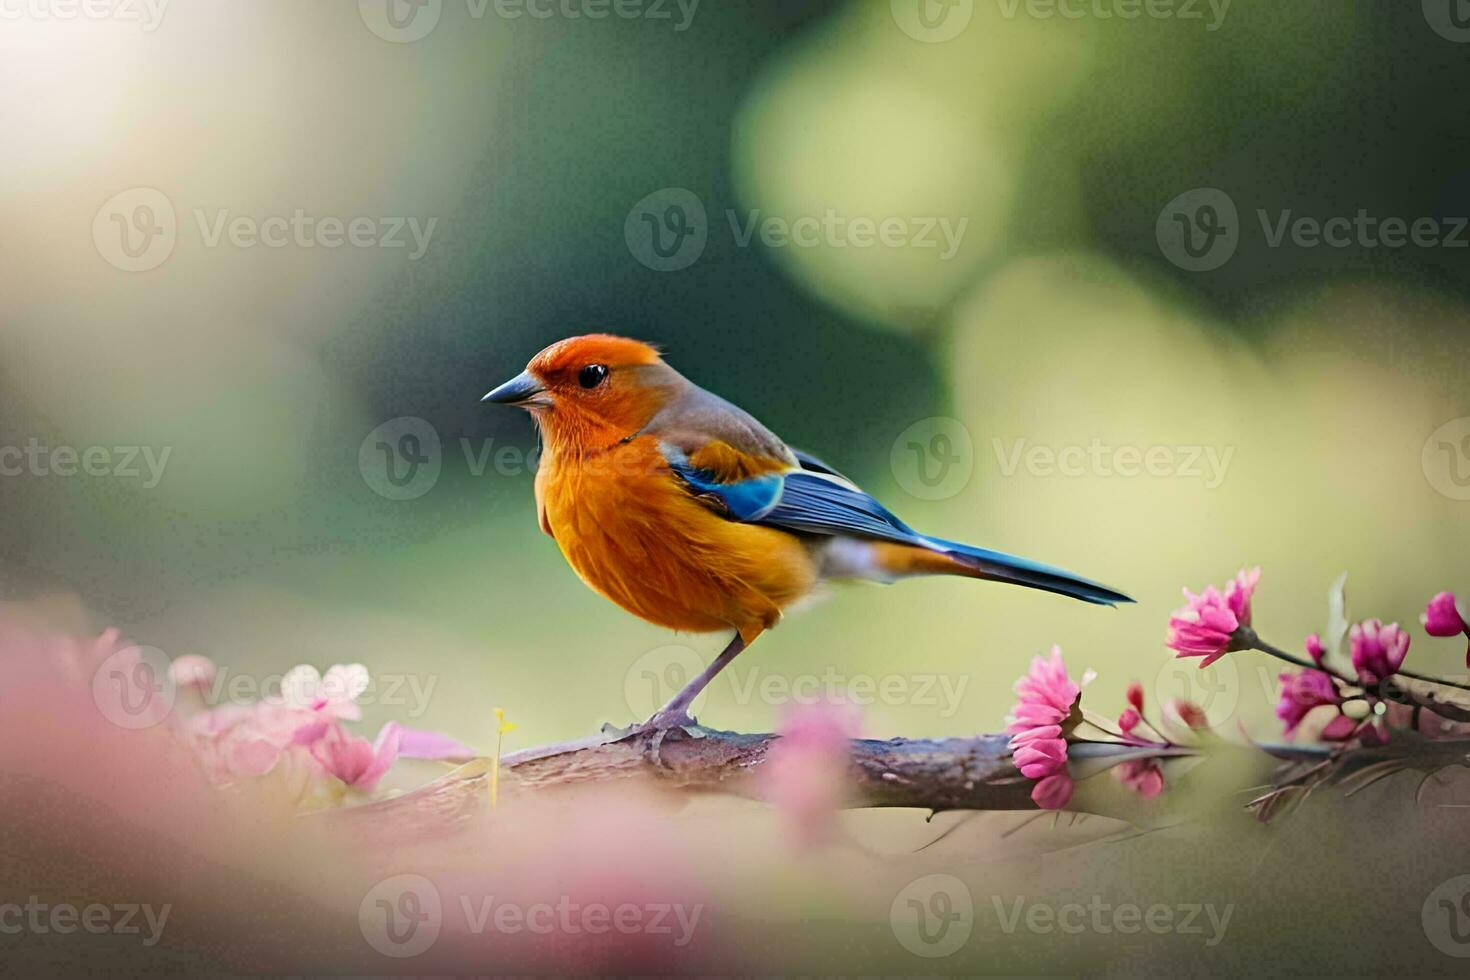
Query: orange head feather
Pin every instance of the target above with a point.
(591, 392)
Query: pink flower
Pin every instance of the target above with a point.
(1378, 650)
(1039, 757)
(354, 760)
(1338, 729)
(1315, 649)
(1135, 696)
(416, 743)
(310, 702)
(1047, 697)
(1143, 776)
(1240, 590)
(1301, 692)
(1186, 713)
(1442, 617)
(1054, 792)
(332, 695)
(1207, 626)
(1046, 693)
(806, 775)
(1129, 720)
(238, 741)
(1132, 715)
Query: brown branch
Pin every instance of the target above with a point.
(973, 773)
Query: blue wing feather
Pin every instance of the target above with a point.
(818, 505)
(744, 500)
(816, 500)
(797, 501)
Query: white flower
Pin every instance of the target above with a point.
(333, 694)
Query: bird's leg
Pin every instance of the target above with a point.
(675, 714)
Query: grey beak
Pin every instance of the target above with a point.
(516, 390)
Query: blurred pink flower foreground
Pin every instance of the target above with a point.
(806, 771)
(303, 723)
(1038, 744)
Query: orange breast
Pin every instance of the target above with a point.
(635, 535)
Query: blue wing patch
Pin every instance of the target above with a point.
(744, 500)
(802, 501)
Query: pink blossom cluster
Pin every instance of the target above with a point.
(304, 724)
(1215, 622)
(1144, 776)
(1039, 720)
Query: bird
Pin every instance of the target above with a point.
(684, 510)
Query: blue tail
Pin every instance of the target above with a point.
(1000, 567)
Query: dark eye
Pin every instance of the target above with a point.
(591, 376)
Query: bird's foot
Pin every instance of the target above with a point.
(663, 726)
(668, 719)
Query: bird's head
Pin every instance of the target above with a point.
(591, 391)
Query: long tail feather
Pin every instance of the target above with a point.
(1000, 567)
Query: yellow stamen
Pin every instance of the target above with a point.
(502, 727)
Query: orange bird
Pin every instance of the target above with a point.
(686, 511)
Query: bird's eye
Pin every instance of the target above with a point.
(591, 376)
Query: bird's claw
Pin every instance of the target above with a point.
(654, 732)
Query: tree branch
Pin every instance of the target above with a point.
(973, 773)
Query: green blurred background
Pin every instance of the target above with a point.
(1320, 373)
